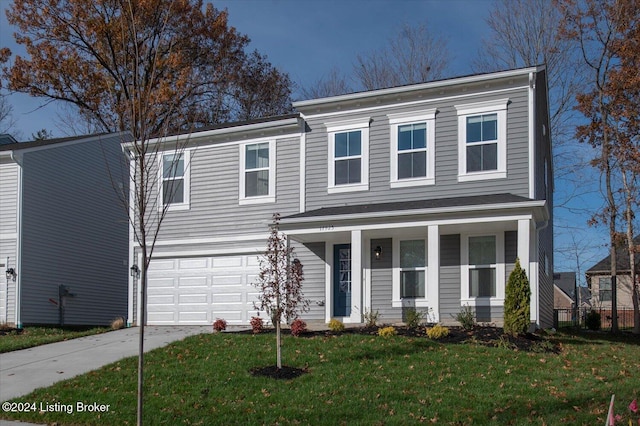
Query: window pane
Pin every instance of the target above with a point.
(604, 283)
(173, 165)
(354, 143)
(474, 158)
(263, 155)
(257, 156)
(404, 137)
(490, 156)
(405, 166)
(342, 172)
(256, 183)
(412, 284)
(419, 135)
(605, 295)
(419, 164)
(474, 128)
(341, 145)
(482, 250)
(482, 282)
(173, 191)
(354, 170)
(490, 127)
(412, 254)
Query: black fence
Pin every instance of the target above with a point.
(576, 318)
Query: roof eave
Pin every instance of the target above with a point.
(421, 86)
(414, 212)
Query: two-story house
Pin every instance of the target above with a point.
(63, 231)
(415, 196)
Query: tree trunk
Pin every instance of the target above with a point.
(629, 200)
(143, 320)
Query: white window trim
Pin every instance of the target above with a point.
(396, 300)
(186, 205)
(465, 298)
(499, 107)
(361, 124)
(396, 120)
(262, 199)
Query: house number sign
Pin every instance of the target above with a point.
(326, 227)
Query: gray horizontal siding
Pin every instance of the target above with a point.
(8, 197)
(311, 256)
(446, 172)
(215, 210)
(74, 233)
(449, 277)
(381, 282)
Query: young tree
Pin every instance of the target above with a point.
(280, 283)
(517, 301)
(191, 61)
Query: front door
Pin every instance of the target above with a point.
(342, 280)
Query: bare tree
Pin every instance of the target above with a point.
(331, 84)
(414, 55)
(7, 121)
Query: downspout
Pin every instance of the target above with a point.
(6, 295)
(17, 158)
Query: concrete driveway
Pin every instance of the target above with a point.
(23, 371)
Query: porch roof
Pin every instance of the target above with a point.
(476, 202)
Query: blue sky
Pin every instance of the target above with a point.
(307, 38)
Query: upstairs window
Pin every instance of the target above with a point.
(482, 140)
(412, 148)
(348, 155)
(175, 180)
(604, 289)
(257, 172)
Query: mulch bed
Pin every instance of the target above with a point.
(272, 371)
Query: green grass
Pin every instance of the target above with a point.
(36, 336)
(357, 379)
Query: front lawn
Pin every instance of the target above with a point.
(356, 379)
(13, 340)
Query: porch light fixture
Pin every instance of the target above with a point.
(135, 271)
(378, 252)
(10, 273)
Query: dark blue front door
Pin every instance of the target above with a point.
(342, 280)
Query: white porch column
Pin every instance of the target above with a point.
(525, 251)
(433, 271)
(356, 276)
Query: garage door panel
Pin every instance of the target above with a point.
(193, 282)
(162, 265)
(199, 290)
(198, 263)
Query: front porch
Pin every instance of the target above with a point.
(435, 263)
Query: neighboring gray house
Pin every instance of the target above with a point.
(565, 294)
(414, 196)
(63, 232)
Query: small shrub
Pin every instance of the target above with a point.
(257, 325)
(371, 318)
(219, 325)
(387, 331)
(593, 320)
(298, 327)
(543, 346)
(504, 343)
(437, 332)
(517, 302)
(336, 325)
(413, 318)
(466, 317)
(118, 323)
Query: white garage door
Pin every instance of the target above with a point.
(196, 291)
